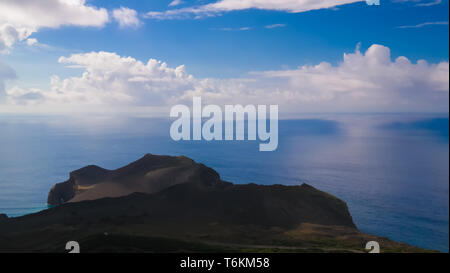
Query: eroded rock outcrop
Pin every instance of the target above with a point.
(183, 190)
(149, 174)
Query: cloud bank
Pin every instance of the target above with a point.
(109, 79)
(362, 82)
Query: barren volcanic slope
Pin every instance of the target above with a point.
(172, 204)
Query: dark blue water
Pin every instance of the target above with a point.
(392, 170)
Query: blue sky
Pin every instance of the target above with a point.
(232, 44)
(307, 38)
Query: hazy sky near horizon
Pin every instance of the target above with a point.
(59, 56)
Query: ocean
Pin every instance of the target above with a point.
(391, 169)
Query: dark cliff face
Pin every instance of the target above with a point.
(61, 193)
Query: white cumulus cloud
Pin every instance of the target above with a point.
(110, 79)
(126, 17)
(20, 18)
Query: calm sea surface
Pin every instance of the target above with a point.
(392, 170)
